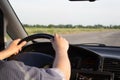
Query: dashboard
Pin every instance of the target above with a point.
(84, 59)
(87, 62)
(110, 59)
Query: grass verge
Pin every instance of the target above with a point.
(33, 30)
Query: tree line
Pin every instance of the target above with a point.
(73, 26)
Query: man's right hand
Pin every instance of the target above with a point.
(61, 61)
(60, 44)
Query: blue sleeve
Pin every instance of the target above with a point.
(14, 70)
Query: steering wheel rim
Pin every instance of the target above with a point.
(36, 36)
(23, 56)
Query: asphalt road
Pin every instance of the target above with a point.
(111, 38)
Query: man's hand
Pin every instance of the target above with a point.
(61, 61)
(60, 45)
(12, 49)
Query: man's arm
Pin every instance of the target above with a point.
(12, 49)
(61, 58)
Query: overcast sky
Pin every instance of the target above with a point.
(44, 12)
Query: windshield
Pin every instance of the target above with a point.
(79, 22)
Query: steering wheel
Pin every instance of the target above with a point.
(36, 59)
(36, 36)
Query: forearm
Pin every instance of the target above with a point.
(62, 63)
(4, 54)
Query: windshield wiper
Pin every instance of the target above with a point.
(91, 44)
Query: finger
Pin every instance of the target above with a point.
(15, 53)
(17, 40)
(22, 44)
(57, 36)
(20, 49)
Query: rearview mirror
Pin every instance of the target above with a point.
(83, 0)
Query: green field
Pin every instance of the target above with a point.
(33, 30)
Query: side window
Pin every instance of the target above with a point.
(7, 40)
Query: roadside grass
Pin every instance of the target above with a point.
(33, 30)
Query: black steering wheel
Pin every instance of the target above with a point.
(36, 59)
(36, 36)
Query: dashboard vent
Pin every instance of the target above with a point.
(112, 65)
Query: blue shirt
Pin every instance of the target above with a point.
(14, 70)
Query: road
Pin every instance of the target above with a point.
(106, 37)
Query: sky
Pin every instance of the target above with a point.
(45, 12)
